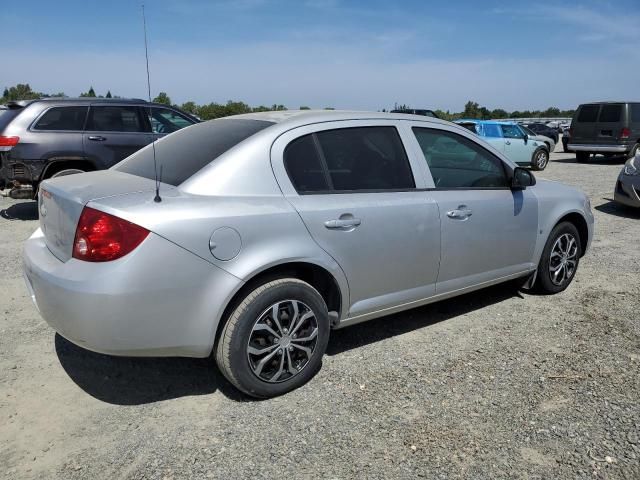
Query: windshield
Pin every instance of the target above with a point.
(185, 152)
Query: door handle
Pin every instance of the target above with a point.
(460, 213)
(345, 223)
(97, 138)
(507, 142)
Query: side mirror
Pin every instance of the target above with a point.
(526, 138)
(522, 178)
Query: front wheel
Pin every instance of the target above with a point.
(275, 339)
(560, 259)
(539, 159)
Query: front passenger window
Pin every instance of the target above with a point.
(511, 131)
(458, 162)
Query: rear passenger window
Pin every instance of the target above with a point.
(349, 159)
(635, 112)
(114, 119)
(490, 130)
(588, 113)
(62, 118)
(302, 161)
(610, 113)
(457, 162)
(368, 158)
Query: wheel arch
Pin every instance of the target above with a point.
(58, 164)
(581, 225)
(312, 273)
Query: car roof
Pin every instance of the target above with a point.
(302, 117)
(485, 122)
(82, 100)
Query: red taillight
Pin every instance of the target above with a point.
(625, 133)
(101, 237)
(7, 143)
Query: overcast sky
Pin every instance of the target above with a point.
(330, 53)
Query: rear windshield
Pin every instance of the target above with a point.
(7, 115)
(185, 152)
(610, 113)
(588, 113)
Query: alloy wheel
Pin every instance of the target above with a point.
(282, 341)
(563, 260)
(541, 159)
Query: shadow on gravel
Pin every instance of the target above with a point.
(135, 381)
(613, 208)
(21, 211)
(597, 160)
(392, 325)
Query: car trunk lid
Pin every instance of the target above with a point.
(61, 200)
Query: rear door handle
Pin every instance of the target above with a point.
(345, 223)
(460, 213)
(97, 138)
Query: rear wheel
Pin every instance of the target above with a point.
(560, 259)
(539, 159)
(275, 339)
(582, 157)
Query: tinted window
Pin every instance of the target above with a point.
(635, 112)
(302, 161)
(164, 120)
(457, 162)
(511, 131)
(114, 119)
(490, 130)
(588, 113)
(6, 115)
(62, 118)
(610, 113)
(184, 153)
(368, 158)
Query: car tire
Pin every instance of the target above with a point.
(262, 351)
(539, 159)
(560, 259)
(634, 150)
(582, 157)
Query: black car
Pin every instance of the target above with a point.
(542, 129)
(51, 137)
(610, 128)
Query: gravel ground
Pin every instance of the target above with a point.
(494, 384)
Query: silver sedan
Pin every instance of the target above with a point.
(253, 236)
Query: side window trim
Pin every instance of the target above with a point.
(505, 170)
(323, 162)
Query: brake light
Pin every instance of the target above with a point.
(101, 237)
(7, 143)
(625, 133)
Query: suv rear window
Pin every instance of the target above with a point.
(62, 118)
(588, 113)
(610, 113)
(185, 152)
(6, 115)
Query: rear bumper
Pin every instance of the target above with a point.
(159, 300)
(580, 147)
(627, 191)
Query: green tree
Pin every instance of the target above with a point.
(91, 93)
(108, 95)
(21, 91)
(499, 113)
(163, 98)
(471, 110)
(304, 108)
(5, 94)
(189, 107)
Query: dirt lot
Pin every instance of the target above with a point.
(495, 384)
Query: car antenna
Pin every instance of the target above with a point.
(157, 198)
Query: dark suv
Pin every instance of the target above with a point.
(52, 137)
(611, 128)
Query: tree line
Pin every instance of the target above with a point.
(216, 110)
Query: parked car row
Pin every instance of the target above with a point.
(53, 137)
